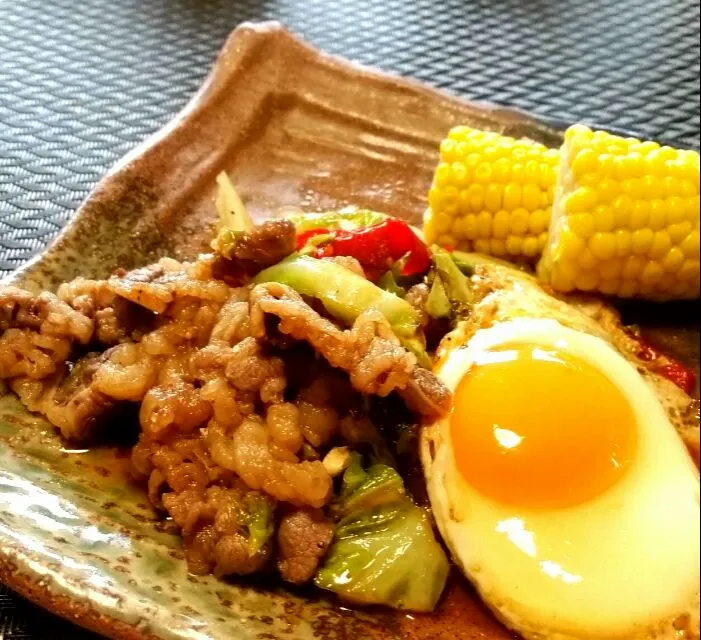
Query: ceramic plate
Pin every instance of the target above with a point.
(293, 127)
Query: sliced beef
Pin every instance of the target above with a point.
(43, 313)
(304, 536)
(242, 255)
(369, 351)
(69, 399)
(116, 319)
(37, 333)
(156, 286)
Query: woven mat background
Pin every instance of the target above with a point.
(83, 82)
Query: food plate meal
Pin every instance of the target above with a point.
(428, 430)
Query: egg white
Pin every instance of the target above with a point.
(624, 565)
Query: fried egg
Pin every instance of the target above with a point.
(558, 482)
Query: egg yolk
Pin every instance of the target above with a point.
(537, 427)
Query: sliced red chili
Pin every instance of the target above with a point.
(379, 246)
(303, 238)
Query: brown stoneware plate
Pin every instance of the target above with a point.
(293, 127)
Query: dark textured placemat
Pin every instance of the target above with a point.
(82, 82)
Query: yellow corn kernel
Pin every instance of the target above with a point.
(624, 242)
(689, 271)
(493, 198)
(652, 273)
(497, 247)
(674, 260)
(570, 245)
(639, 214)
(642, 241)
(518, 222)
(609, 287)
(691, 245)
(539, 221)
(587, 280)
(661, 244)
(586, 259)
(489, 176)
(502, 170)
(629, 289)
(658, 214)
(611, 269)
(500, 228)
(476, 195)
(515, 245)
(484, 225)
(482, 245)
(603, 245)
(530, 247)
(676, 210)
(608, 190)
(470, 226)
(531, 196)
(586, 161)
(603, 218)
(561, 283)
(583, 200)
(512, 196)
(609, 214)
(633, 267)
(679, 232)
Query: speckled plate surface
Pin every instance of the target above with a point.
(293, 127)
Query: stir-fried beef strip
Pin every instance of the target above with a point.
(369, 351)
(303, 538)
(237, 412)
(245, 254)
(37, 333)
(69, 399)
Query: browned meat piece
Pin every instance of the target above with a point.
(174, 407)
(232, 324)
(303, 539)
(156, 286)
(242, 255)
(318, 417)
(283, 422)
(266, 244)
(369, 352)
(126, 372)
(37, 333)
(249, 369)
(232, 556)
(44, 313)
(248, 453)
(426, 394)
(26, 353)
(116, 319)
(216, 537)
(69, 400)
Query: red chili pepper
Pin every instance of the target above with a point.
(667, 367)
(379, 246)
(303, 238)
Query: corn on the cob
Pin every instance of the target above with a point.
(492, 194)
(625, 219)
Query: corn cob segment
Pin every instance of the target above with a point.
(625, 219)
(492, 194)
